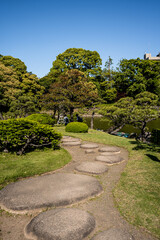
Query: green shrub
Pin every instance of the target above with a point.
(43, 118)
(155, 138)
(77, 127)
(20, 135)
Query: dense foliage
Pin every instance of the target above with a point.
(19, 90)
(76, 127)
(42, 118)
(136, 112)
(71, 90)
(21, 135)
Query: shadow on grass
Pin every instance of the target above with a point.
(153, 158)
(145, 146)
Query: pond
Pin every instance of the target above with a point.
(101, 123)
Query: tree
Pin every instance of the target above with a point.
(71, 90)
(136, 75)
(107, 85)
(15, 63)
(16, 86)
(86, 61)
(137, 112)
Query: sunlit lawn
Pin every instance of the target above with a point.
(13, 167)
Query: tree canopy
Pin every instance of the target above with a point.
(18, 88)
(136, 75)
(86, 61)
(72, 89)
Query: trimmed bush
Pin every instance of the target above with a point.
(76, 127)
(155, 138)
(20, 135)
(43, 118)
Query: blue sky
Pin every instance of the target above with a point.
(36, 31)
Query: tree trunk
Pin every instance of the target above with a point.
(113, 130)
(1, 116)
(71, 113)
(92, 120)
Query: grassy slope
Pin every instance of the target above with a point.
(13, 167)
(137, 194)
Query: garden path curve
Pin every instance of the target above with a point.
(78, 199)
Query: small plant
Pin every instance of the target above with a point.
(77, 127)
(19, 135)
(43, 118)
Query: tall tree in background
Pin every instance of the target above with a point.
(108, 90)
(71, 90)
(86, 61)
(135, 76)
(18, 88)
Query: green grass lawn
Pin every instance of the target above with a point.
(137, 195)
(13, 167)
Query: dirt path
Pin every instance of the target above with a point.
(101, 207)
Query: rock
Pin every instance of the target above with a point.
(89, 145)
(61, 224)
(89, 151)
(71, 143)
(109, 159)
(92, 167)
(110, 149)
(52, 190)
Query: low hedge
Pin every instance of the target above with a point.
(20, 135)
(42, 118)
(76, 127)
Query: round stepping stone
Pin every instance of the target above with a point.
(110, 149)
(61, 224)
(89, 151)
(69, 139)
(114, 234)
(51, 190)
(72, 143)
(89, 145)
(109, 159)
(108, 153)
(92, 167)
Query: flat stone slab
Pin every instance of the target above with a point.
(89, 145)
(89, 151)
(108, 153)
(109, 159)
(110, 149)
(61, 224)
(72, 143)
(114, 234)
(59, 189)
(92, 167)
(70, 139)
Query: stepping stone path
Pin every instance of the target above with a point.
(109, 159)
(111, 149)
(63, 189)
(92, 167)
(89, 151)
(70, 141)
(65, 224)
(89, 145)
(114, 234)
(51, 190)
